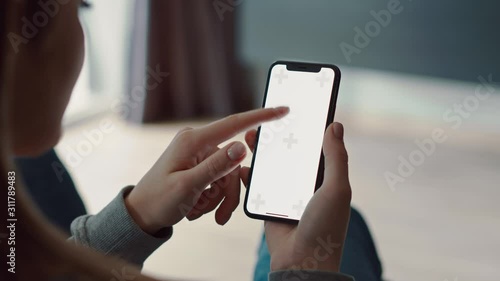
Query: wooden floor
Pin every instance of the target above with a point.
(441, 223)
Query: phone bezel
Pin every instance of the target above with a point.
(305, 67)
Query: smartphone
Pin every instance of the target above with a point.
(287, 164)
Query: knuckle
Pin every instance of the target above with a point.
(232, 120)
(213, 192)
(187, 128)
(232, 117)
(336, 152)
(223, 182)
(180, 185)
(337, 190)
(345, 193)
(186, 136)
(183, 131)
(344, 157)
(213, 166)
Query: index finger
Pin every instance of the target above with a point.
(226, 128)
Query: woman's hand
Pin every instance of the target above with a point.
(317, 241)
(175, 186)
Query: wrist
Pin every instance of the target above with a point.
(310, 261)
(139, 214)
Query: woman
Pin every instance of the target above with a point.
(38, 73)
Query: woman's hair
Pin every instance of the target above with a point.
(41, 251)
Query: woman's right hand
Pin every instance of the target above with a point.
(175, 187)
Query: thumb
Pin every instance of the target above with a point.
(217, 165)
(336, 159)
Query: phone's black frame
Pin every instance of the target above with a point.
(304, 67)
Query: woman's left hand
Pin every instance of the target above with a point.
(316, 242)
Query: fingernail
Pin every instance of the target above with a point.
(282, 109)
(338, 131)
(236, 151)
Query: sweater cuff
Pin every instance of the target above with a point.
(308, 275)
(114, 232)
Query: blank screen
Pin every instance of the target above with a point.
(287, 156)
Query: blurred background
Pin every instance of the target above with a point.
(408, 68)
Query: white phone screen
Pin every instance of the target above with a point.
(287, 156)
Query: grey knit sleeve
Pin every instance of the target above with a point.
(112, 231)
